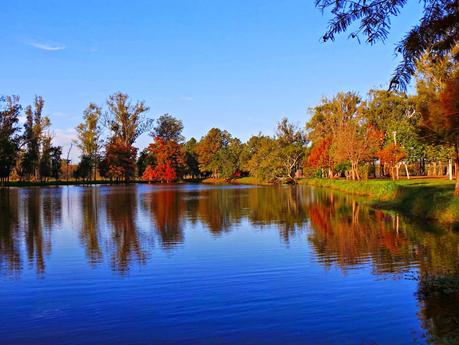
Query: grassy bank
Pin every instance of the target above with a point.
(431, 199)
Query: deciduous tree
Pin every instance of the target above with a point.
(9, 137)
(89, 136)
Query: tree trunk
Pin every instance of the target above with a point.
(407, 172)
(456, 151)
(450, 169)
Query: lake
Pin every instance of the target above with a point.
(197, 264)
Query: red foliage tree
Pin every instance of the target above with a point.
(121, 160)
(319, 157)
(149, 174)
(165, 172)
(391, 155)
(170, 159)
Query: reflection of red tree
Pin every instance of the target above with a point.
(167, 209)
(320, 220)
(350, 235)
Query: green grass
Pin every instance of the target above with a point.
(431, 199)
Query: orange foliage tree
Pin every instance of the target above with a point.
(441, 119)
(319, 157)
(391, 155)
(356, 144)
(149, 174)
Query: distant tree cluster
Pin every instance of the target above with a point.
(220, 155)
(28, 154)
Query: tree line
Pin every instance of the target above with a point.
(417, 133)
(386, 134)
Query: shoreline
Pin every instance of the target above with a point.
(428, 199)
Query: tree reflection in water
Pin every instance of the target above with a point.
(166, 209)
(120, 222)
(10, 252)
(126, 246)
(90, 227)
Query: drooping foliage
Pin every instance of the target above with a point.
(437, 31)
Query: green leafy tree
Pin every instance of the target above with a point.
(50, 159)
(34, 128)
(9, 137)
(394, 115)
(89, 136)
(56, 161)
(83, 171)
(262, 159)
(168, 128)
(208, 148)
(228, 159)
(292, 146)
(125, 120)
(191, 159)
(45, 159)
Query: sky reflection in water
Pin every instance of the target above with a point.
(202, 265)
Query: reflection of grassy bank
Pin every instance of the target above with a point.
(424, 198)
(242, 180)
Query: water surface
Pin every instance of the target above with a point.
(194, 264)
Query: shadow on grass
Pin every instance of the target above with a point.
(426, 201)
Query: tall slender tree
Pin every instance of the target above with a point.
(89, 136)
(9, 137)
(34, 127)
(126, 122)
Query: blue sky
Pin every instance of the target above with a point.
(236, 65)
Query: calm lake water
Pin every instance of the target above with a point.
(194, 264)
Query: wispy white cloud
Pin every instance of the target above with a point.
(47, 46)
(187, 98)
